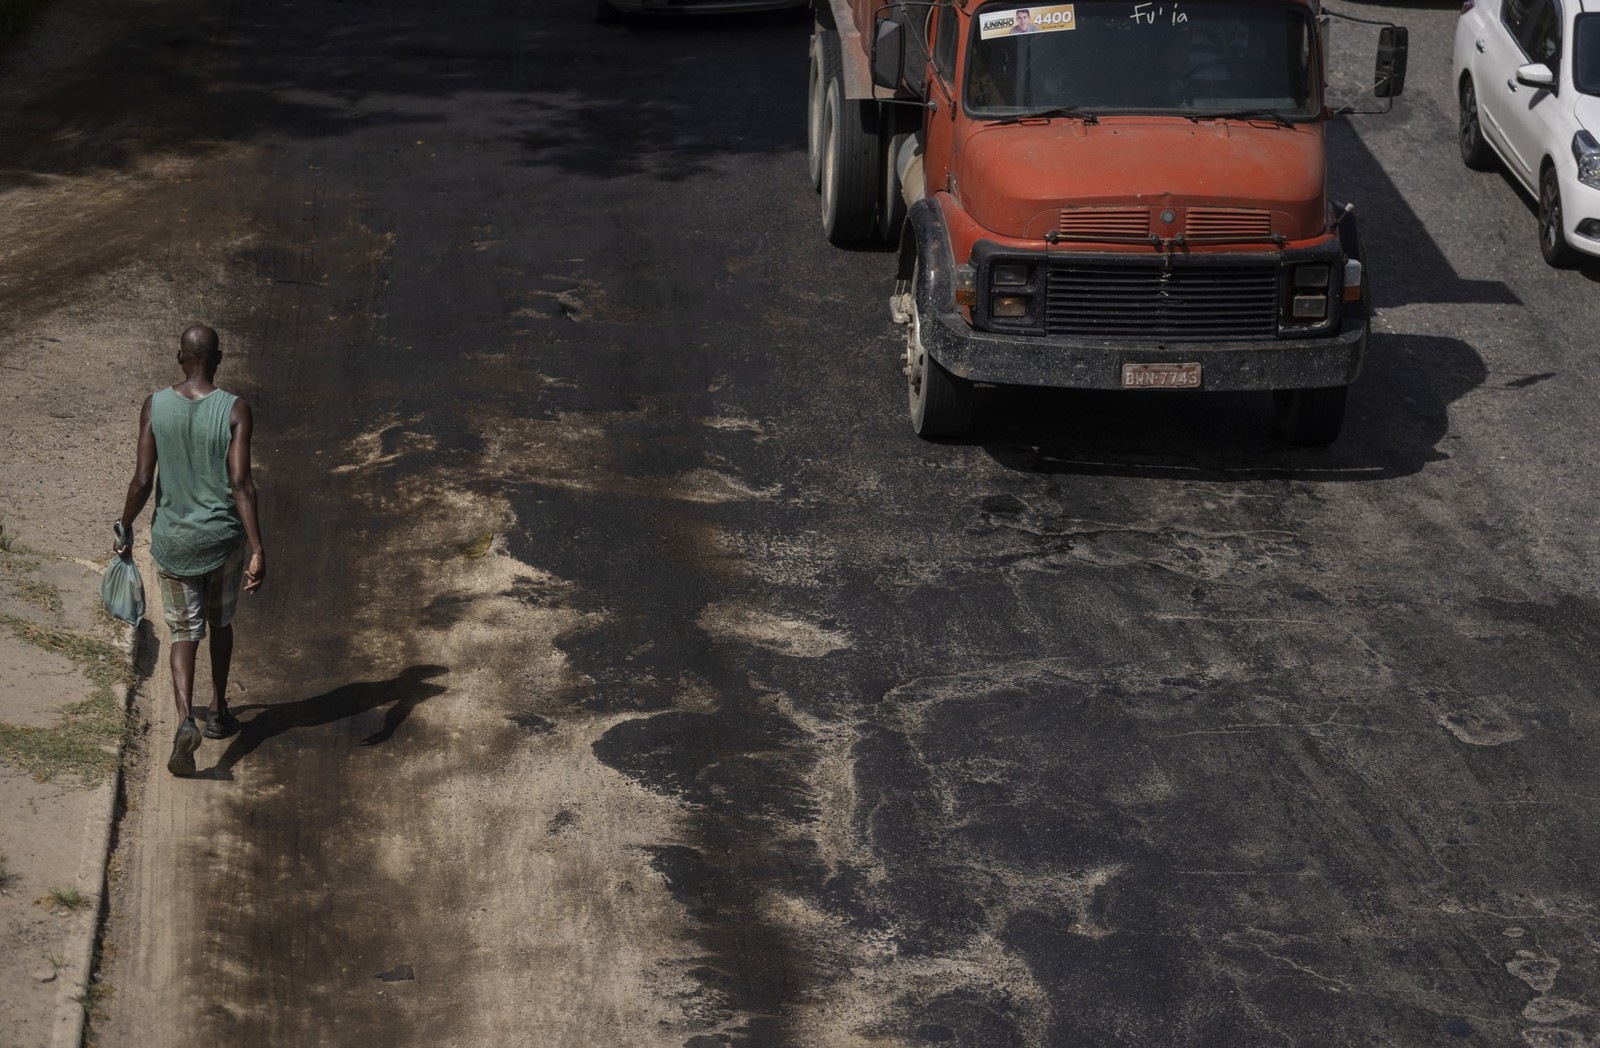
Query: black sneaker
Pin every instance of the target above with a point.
(221, 724)
(184, 743)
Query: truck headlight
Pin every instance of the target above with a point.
(1310, 299)
(1008, 274)
(1587, 152)
(1009, 306)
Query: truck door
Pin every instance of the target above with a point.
(940, 134)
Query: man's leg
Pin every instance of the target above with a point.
(181, 599)
(219, 722)
(222, 596)
(182, 660)
(187, 739)
(221, 661)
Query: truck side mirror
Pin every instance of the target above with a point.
(888, 54)
(1389, 78)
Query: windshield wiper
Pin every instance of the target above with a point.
(1045, 114)
(1244, 114)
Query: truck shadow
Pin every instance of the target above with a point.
(1397, 416)
(261, 722)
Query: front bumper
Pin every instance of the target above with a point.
(1022, 360)
(1580, 207)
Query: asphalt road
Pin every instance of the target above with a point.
(629, 673)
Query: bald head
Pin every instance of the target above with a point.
(197, 343)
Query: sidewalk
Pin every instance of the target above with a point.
(64, 673)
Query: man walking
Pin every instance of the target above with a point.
(205, 516)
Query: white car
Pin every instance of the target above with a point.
(1527, 76)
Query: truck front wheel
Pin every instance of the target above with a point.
(941, 403)
(850, 170)
(1311, 417)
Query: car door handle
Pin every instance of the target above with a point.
(1479, 46)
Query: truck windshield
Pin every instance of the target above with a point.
(1195, 58)
(1586, 54)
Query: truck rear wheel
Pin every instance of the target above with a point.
(1311, 417)
(892, 208)
(825, 62)
(850, 165)
(941, 403)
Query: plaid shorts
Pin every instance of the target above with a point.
(192, 601)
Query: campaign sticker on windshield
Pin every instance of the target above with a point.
(1026, 20)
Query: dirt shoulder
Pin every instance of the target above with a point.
(81, 329)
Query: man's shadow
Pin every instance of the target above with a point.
(401, 694)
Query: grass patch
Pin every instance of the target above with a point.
(7, 540)
(13, 562)
(65, 899)
(42, 595)
(104, 619)
(479, 547)
(88, 741)
(7, 875)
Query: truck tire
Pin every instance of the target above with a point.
(892, 208)
(825, 63)
(850, 165)
(940, 403)
(1310, 417)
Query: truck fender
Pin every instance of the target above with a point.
(855, 76)
(925, 255)
(925, 240)
(1350, 243)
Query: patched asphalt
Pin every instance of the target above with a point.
(1116, 723)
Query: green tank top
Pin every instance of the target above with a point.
(196, 525)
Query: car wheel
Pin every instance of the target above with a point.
(1310, 417)
(1552, 238)
(1475, 152)
(941, 403)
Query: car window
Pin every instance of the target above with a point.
(944, 41)
(1586, 53)
(1514, 13)
(1541, 37)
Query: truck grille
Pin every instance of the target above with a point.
(1149, 300)
(1105, 223)
(1217, 223)
(1130, 225)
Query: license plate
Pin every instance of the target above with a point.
(1161, 376)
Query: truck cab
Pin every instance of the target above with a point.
(1104, 194)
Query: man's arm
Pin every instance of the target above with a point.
(144, 475)
(244, 493)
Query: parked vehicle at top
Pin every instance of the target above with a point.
(1101, 194)
(1527, 76)
(612, 10)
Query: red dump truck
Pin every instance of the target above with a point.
(1104, 194)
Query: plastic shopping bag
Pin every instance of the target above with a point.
(121, 588)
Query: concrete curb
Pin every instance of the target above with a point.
(78, 966)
